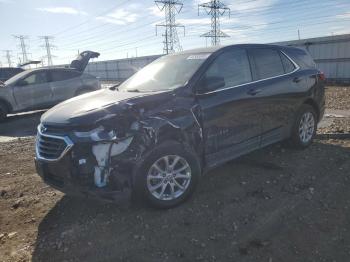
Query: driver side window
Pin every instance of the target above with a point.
(36, 78)
(233, 66)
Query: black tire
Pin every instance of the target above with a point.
(141, 190)
(3, 111)
(296, 140)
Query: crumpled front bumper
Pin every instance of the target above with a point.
(64, 176)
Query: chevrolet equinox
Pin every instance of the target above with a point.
(180, 116)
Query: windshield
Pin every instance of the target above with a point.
(166, 73)
(16, 77)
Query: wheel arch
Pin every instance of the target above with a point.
(7, 104)
(312, 102)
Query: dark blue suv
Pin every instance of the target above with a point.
(185, 113)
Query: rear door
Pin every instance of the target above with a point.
(64, 83)
(230, 115)
(33, 91)
(274, 76)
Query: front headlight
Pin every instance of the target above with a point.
(97, 134)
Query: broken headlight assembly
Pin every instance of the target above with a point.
(98, 134)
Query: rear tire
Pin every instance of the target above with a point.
(167, 176)
(304, 128)
(3, 111)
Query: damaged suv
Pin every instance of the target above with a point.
(180, 116)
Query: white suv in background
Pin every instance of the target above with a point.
(44, 87)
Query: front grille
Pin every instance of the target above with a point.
(51, 148)
(55, 129)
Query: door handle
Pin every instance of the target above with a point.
(296, 79)
(253, 92)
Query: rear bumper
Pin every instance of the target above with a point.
(65, 177)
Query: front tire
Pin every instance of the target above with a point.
(305, 127)
(167, 176)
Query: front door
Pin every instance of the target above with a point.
(230, 115)
(33, 91)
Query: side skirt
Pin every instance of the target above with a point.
(223, 156)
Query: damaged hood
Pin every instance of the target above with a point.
(92, 107)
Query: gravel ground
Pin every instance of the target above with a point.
(338, 98)
(276, 204)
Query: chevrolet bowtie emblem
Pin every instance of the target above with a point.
(43, 129)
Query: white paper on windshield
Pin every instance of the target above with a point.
(198, 57)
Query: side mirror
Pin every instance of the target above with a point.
(212, 83)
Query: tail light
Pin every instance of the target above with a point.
(322, 76)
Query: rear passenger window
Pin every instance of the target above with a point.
(61, 75)
(267, 63)
(233, 66)
(287, 64)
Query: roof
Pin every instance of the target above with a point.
(217, 48)
(49, 68)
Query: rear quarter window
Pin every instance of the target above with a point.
(287, 64)
(302, 58)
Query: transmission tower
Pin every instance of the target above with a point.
(216, 9)
(171, 38)
(8, 57)
(48, 47)
(23, 47)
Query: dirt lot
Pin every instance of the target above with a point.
(276, 204)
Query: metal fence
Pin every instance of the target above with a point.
(118, 70)
(332, 55)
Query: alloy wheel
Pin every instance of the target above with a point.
(306, 127)
(169, 177)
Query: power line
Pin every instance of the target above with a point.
(104, 40)
(48, 47)
(23, 47)
(215, 8)
(8, 57)
(171, 38)
(89, 20)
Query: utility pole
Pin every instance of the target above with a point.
(48, 47)
(171, 38)
(298, 34)
(8, 57)
(216, 9)
(23, 47)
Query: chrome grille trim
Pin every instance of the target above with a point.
(45, 141)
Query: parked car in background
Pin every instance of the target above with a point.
(8, 72)
(44, 87)
(178, 117)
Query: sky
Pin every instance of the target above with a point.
(126, 28)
